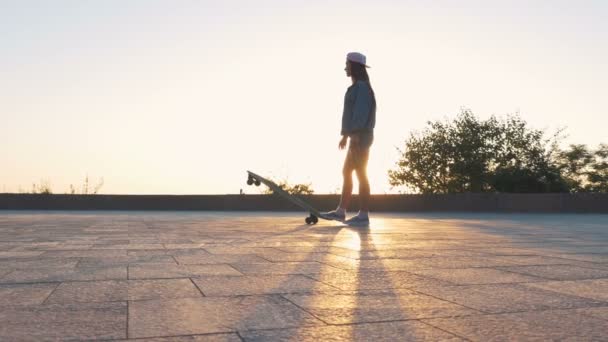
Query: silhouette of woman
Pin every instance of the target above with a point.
(358, 122)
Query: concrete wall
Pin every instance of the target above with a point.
(576, 203)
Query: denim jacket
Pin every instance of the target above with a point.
(359, 115)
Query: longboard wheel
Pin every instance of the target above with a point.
(250, 181)
(312, 219)
(257, 183)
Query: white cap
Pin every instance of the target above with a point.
(357, 57)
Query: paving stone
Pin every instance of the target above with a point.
(461, 262)
(300, 257)
(173, 252)
(32, 263)
(126, 260)
(260, 284)
(5, 271)
(594, 289)
(376, 264)
(375, 307)
(25, 294)
(464, 276)
(15, 254)
(231, 337)
(123, 290)
(501, 251)
(152, 271)
(536, 260)
(69, 247)
(64, 322)
(473, 262)
(65, 274)
(376, 280)
(261, 251)
(389, 332)
(596, 258)
(418, 253)
(213, 315)
(127, 246)
(284, 268)
(147, 252)
(502, 298)
(559, 272)
(560, 325)
(219, 259)
(85, 254)
(599, 312)
(314, 249)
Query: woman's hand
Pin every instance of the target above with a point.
(342, 143)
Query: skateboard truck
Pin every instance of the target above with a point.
(251, 181)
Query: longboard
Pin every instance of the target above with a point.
(253, 178)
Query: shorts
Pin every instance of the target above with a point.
(357, 156)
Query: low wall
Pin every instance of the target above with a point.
(547, 203)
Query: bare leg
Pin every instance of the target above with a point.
(364, 189)
(347, 190)
(347, 184)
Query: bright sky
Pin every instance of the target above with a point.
(182, 97)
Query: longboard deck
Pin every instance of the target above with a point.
(291, 198)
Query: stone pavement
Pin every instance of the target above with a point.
(197, 276)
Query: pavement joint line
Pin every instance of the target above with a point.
(127, 322)
(500, 268)
(572, 295)
(50, 294)
(445, 300)
(113, 279)
(526, 311)
(446, 331)
(301, 308)
(320, 281)
(234, 268)
(363, 323)
(197, 287)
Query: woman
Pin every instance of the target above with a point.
(358, 121)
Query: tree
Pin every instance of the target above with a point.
(87, 189)
(584, 169)
(598, 174)
(44, 188)
(295, 189)
(472, 155)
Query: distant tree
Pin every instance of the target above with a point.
(598, 173)
(295, 189)
(575, 163)
(585, 169)
(472, 155)
(87, 188)
(44, 188)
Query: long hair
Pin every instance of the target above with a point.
(359, 73)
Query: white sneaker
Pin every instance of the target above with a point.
(358, 221)
(334, 215)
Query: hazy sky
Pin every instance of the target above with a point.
(182, 97)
